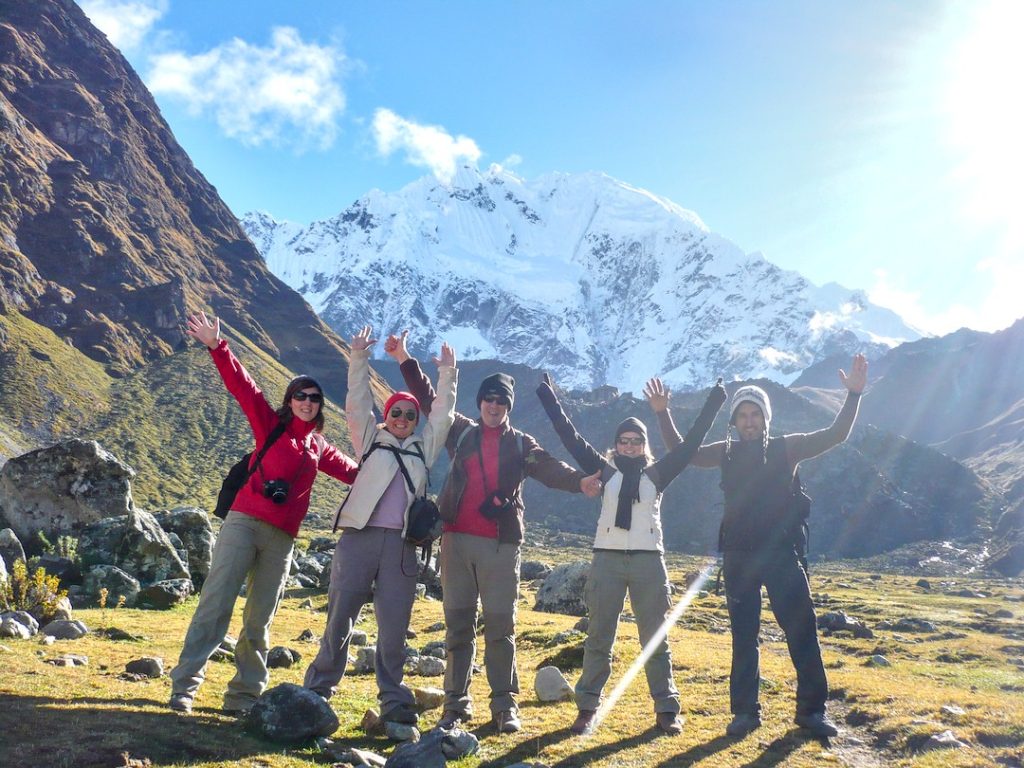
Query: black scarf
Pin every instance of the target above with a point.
(631, 468)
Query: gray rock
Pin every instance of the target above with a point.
(23, 617)
(65, 630)
(425, 753)
(563, 590)
(428, 666)
(952, 710)
(136, 544)
(68, 660)
(550, 685)
(193, 527)
(116, 581)
(365, 659)
(356, 757)
(307, 636)
(280, 657)
(165, 594)
(10, 548)
(291, 714)
(435, 648)
(834, 621)
(358, 638)
(61, 567)
(583, 625)
(435, 627)
(533, 569)
(147, 666)
(428, 698)
(908, 625)
(59, 489)
(401, 732)
(458, 744)
(10, 627)
(325, 544)
(944, 740)
(878, 660)
(64, 609)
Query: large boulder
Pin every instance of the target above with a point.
(563, 590)
(291, 714)
(115, 581)
(59, 489)
(136, 544)
(10, 548)
(193, 527)
(164, 594)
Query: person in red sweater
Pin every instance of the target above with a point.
(254, 545)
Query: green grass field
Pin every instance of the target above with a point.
(87, 716)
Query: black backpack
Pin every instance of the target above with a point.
(240, 473)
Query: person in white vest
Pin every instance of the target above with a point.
(628, 551)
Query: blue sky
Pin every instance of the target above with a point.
(876, 144)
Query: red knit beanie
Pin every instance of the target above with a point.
(398, 396)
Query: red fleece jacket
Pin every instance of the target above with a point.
(295, 456)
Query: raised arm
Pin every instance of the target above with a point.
(667, 469)
(237, 380)
(362, 425)
(441, 418)
(658, 396)
(542, 466)
(807, 445)
(586, 456)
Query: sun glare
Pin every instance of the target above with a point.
(986, 114)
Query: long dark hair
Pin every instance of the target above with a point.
(301, 382)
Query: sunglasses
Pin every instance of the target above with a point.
(630, 441)
(397, 413)
(499, 399)
(313, 397)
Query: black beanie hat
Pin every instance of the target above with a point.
(631, 424)
(497, 384)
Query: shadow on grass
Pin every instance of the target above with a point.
(698, 752)
(95, 732)
(779, 749)
(528, 750)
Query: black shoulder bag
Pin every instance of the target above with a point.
(424, 524)
(240, 473)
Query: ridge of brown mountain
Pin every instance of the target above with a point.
(108, 233)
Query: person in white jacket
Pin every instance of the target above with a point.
(373, 560)
(628, 551)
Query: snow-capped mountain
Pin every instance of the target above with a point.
(583, 275)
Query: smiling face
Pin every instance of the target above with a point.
(630, 444)
(749, 421)
(306, 403)
(494, 410)
(401, 419)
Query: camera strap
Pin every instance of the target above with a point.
(275, 433)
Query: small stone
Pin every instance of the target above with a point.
(878, 660)
(944, 740)
(69, 660)
(307, 636)
(280, 657)
(365, 661)
(307, 604)
(401, 731)
(582, 625)
(410, 634)
(371, 722)
(358, 637)
(421, 591)
(428, 666)
(436, 648)
(435, 627)
(14, 629)
(148, 666)
(47, 639)
(65, 630)
(550, 685)
(924, 584)
(458, 743)
(953, 711)
(428, 698)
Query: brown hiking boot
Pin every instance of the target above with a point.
(584, 722)
(670, 722)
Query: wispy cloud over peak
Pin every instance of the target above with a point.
(425, 146)
(124, 22)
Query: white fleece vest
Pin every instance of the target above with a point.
(645, 529)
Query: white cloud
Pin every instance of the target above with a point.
(124, 22)
(287, 93)
(425, 146)
(999, 308)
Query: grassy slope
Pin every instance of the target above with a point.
(86, 716)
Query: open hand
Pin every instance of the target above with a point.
(363, 340)
(657, 394)
(394, 347)
(447, 357)
(200, 327)
(858, 377)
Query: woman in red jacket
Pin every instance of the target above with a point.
(254, 545)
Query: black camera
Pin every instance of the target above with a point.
(495, 505)
(276, 490)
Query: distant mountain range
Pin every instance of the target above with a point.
(600, 282)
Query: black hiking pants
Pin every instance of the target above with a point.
(790, 596)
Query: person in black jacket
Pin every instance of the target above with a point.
(763, 543)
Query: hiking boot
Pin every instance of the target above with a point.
(669, 722)
(818, 723)
(400, 713)
(181, 702)
(584, 722)
(742, 724)
(450, 719)
(507, 721)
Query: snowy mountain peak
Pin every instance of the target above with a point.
(580, 274)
